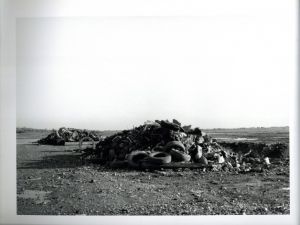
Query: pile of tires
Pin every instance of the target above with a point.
(174, 151)
(143, 159)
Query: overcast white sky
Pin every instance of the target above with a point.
(230, 70)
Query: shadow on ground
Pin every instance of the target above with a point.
(54, 161)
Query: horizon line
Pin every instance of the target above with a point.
(228, 128)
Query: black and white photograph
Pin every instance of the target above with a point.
(152, 111)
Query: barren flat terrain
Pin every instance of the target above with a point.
(53, 180)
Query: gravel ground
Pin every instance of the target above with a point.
(53, 180)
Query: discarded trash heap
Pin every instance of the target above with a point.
(160, 143)
(62, 135)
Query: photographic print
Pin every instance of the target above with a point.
(152, 116)
(149, 112)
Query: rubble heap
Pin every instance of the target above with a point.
(62, 135)
(163, 143)
(258, 150)
(159, 136)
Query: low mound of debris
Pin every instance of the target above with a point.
(258, 150)
(63, 135)
(164, 144)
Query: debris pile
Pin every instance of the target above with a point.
(258, 150)
(62, 135)
(164, 144)
(52, 139)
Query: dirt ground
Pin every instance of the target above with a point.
(53, 180)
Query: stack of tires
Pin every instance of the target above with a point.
(142, 159)
(173, 151)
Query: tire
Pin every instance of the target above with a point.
(86, 139)
(158, 158)
(58, 135)
(202, 160)
(135, 158)
(178, 156)
(174, 144)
